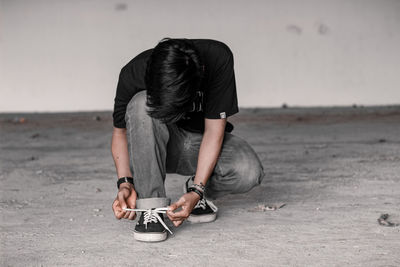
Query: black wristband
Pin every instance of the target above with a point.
(197, 191)
(124, 180)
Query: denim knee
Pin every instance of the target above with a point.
(239, 174)
(249, 172)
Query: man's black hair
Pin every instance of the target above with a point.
(173, 75)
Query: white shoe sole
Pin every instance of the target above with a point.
(150, 237)
(202, 218)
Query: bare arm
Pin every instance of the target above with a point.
(208, 155)
(126, 196)
(119, 150)
(209, 149)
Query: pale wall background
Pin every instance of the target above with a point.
(59, 55)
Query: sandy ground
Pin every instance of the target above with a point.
(337, 170)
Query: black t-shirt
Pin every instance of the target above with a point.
(218, 85)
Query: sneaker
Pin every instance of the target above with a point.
(151, 226)
(204, 211)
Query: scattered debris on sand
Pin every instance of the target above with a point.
(265, 207)
(383, 220)
(17, 120)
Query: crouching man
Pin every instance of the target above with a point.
(170, 116)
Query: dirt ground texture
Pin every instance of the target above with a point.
(336, 169)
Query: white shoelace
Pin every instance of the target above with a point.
(152, 215)
(203, 202)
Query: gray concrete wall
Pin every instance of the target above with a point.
(66, 55)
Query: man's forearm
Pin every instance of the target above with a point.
(119, 150)
(209, 151)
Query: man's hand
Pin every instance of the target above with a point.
(126, 198)
(187, 202)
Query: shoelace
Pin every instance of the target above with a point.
(152, 215)
(203, 204)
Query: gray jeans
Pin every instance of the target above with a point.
(156, 148)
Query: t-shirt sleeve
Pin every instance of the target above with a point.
(220, 96)
(125, 92)
(130, 81)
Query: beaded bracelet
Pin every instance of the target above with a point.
(200, 186)
(194, 189)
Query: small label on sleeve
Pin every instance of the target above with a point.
(222, 115)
